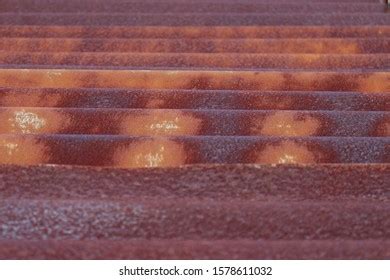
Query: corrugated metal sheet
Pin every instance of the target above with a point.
(182, 129)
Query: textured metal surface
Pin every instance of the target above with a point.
(136, 152)
(199, 45)
(188, 6)
(180, 32)
(185, 129)
(152, 122)
(197, 61)
(185, 219)
(276, 186)
(208, 19)
(193, 99)
(195, 249)
(326, 182)
(364, 81)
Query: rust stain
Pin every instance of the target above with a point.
(157, 79)
(195, 31)
(31, 100)
(321, 46)
(308, 59)
(287, 152)
(155, 103)
(21, 152)
(348, 48)
(285, 124)
(203, 60)
(194, 45)
(151, 153)
(161, 123)
(30, 120)
(375, 82)
(383, 128)
(326, 62)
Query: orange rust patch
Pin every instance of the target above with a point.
(286, 152)
(271, 81)
(285, 124)
(29, 120)
(376, 82)
(144, 79)
(155, 103)
(22, 152)
(340, 46)
(151, 153)
(31, 100)
(170, 122)
(384, 128)
(308, 59)
(348, 48)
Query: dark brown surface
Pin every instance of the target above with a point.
(197, 19)
(193, 99)
(186, 219)
(197, 249)
(270, 193)
(201, 45)
(195, 61)
(331, 182)
(189, 6)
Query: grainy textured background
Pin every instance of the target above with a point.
(184, 129)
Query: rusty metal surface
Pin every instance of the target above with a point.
(141, 152)
(201, 45)
(193, 99)
(197, 19)
(189, 6)
(181, 32)
(195, 61)
(334, 184)
(364, 81)
(195, 249)
(184, 219)
(327, 182)
(185, 129)
(153, 122)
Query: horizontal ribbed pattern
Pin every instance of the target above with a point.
(183, 129)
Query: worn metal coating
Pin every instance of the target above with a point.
(159, 122)
(194, 32)
(197, 19)
(364, 81)
(201, 45)
(186, 129)
(195, 61)
(137, 152)
(193, 99)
